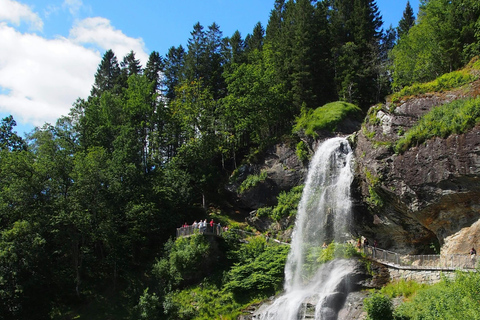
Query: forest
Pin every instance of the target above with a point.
(89, 205)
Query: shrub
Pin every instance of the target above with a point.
(287, 203)
(260, 277)
(286, 207)
(186, 259)
(251, 181)
(447, 299)
(302, 151)
(402, 288)
(379, 307)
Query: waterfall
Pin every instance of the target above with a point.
(323, 216)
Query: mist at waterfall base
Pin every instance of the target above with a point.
(323, 216)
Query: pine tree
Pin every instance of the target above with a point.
(130, 65)
(107, 76)
(174, 71)
(255, 40)
(407, 21)
(155, 65)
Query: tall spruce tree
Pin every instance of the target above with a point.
(107, 76)
(174, 71)
(407, 21)
(356, 31)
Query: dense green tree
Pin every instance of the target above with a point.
(155, 66)
(9, 139)
(356, 31)
(444, 39)
(107, 76)
(130, 65)
(255, 40)
(237, 48)
(173, 73)
(407, 21)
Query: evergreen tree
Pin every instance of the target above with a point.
(407, 21)
(237, 48)
(356, 26)
(174, 71)
(255, 40)
(130, 65)
(155, 66)
(107, 76)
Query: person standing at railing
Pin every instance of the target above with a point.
(365, 245)
(473, 254)
(375, 243)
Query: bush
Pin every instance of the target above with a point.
(302, 151)
(325, 118)
(186, 259)
(260, 277)
(251, 181)
(287, 203)
(379, 307)
(447, 299)
(402, 288)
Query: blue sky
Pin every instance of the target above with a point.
(50, 49)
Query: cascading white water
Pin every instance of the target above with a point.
(323, 216)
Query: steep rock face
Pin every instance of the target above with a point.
(284, 171)
(420, 199)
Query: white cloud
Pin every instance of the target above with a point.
(15, 13)
(73, 6)
(41, 78)
(99, 32)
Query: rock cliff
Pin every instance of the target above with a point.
(427, 198)
(424, 200)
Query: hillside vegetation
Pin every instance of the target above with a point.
(89, 205)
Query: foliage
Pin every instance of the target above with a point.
(318, 255)
(302, 151)
(457, 299)
(185, 260)
(444, 39)
(251, 181)
(148, 306)
(452, 118)
(378, 307)
(445, 82)
(374, 198)
(202, 302)
(259, 277)
(287, 203)
(326, 117)
(403, 288)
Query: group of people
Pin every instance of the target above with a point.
(365, 244)
(203, 226)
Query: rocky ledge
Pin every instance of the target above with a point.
(427, 198)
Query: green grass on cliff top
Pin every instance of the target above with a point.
(455, 117)
(326, 117)
(448, 81)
